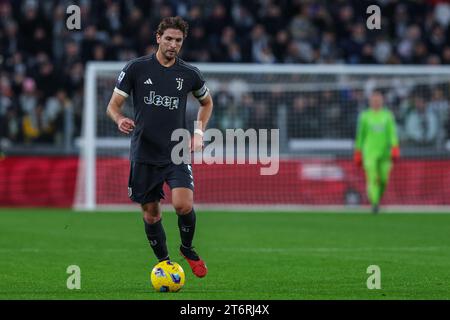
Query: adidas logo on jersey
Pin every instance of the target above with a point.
(148, 81)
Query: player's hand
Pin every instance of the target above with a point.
(125, 125)
(197, 142)
(357, 158)
(395, 153)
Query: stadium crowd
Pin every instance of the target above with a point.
(42, 62)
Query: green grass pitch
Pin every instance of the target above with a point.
(250, 255)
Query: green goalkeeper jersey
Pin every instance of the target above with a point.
(376, 133)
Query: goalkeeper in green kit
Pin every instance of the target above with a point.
(376, 147)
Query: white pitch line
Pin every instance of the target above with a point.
(255, 250)
(67, 250)
(335, 249)
(338, 209)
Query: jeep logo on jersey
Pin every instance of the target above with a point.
(166, 101)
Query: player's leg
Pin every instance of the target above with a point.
(145, 186)
(384, 169)
(182, 201)
(154, 230)
(180, 180)
(372, 179)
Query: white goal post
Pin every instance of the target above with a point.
(248, 95)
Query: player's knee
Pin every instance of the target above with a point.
(152, 213)
(183, 207)
(151, 218)
(372, 179)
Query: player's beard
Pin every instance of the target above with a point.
(170, 55)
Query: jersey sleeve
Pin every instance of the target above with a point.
(360, 132)
(392, 131)
(199, 88)
(124, 83)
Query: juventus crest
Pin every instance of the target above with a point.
(179, 83)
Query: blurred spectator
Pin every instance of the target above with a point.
(422, 124)
(382, 50)
(196, 44)
(406, 45)
(352, 47)
(46, 79)
(216, 22)
(59, 31)
(222, 99)
(440, 106)
(442, 14)
(331, 115)
(99, 52)
(89, 42)
(304, 119)
(246, 105)
(11, 40)
(260, 118)
(328, 50)
(261, 51)
(401, 21)
(243, 19)
(29, 97)
(6, 94)
(112, 20)
(10, 126)
(436, 40)
(420, 53)
(34, 128)
(74, 78)
(58, 110)
(446, 55)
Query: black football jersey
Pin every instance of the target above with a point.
(159, 101)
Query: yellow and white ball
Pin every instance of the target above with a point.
(167, 276)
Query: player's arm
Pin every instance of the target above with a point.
(202, 94)
(360, 135)
(114, 111)
(393, 137)
(203, 115)
(122, 90)
(204, 112)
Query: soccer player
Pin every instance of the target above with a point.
(376, 147)
(159, 84)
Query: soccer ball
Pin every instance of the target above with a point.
(167, 276)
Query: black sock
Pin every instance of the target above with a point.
(186, 224)
(157, 239)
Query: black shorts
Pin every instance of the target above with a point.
(146, 181)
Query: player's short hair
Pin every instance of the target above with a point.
(377, 91)
(173, 23)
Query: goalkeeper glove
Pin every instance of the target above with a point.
(395, 153)
(357, 158)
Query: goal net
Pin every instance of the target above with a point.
(315, 108)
